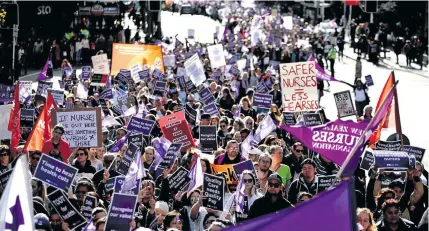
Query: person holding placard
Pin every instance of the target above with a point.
(57, 147)
(5, 158)
(361, 95)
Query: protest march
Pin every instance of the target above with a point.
(180, 135)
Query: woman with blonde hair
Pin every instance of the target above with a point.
(246, 107)
(366, 219)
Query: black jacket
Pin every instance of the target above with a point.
(299, 185)
(404, 225)
(85, 169)
(263, 206)
(278, 99)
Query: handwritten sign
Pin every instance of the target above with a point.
(55, 173)
(299, 86)
(82, 126)
(100, 64)
(344, 103)
(213, 188)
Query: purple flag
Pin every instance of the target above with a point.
(321, 73)
(161, 146)
(264, 129)
(239, 196)
(43, 74)
(350, 167)
(196, 175)
(336, 205)
(333, 140)
(135, 172)
(118, 145)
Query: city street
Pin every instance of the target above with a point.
(413, 88)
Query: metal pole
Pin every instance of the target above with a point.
(371, 18)
(14, 38)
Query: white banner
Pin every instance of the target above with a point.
(4, 121)
(194, 68)
(100, 64)
(216, 56)
(299, 86)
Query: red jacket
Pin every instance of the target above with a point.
(63, 148)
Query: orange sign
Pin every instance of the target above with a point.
(227, 170)
(126, 55)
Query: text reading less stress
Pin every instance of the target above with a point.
(299, 86)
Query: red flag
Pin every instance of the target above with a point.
(390, 120)
(42, 128)
(14, 121)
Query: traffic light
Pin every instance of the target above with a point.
(154, 6)
(8, 15)
(369, 6)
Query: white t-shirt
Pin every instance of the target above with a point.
(196, 225)
(85, 43)
(78, 45)
(360, 95)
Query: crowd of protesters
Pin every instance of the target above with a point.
(286, 170)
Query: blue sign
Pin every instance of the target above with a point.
(86, 72)
(144, 75)
(127, 159)
(55, 173)
(211, 109)
(119, 181)
(159, 88)
(261, 100)
(121, 212)
(137, 124)
(157, 74)
(234, 71)
(369, 81)
(66, 210)
(206, 96)
(170, 156)
(107, 94)
(391, 159)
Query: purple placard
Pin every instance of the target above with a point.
(391, 159)
(55, 173)
(107, 94)
(140, 125)
(181, 81)
(6, 93)
(245, 165)
(86, 72)
(170, 156)
(369, 81)
(206, 96)
(121, 212)
(157, 74)
(261, 88)
(123, 78)
(144, 75)
(159, 88)
(66, 210)
(261, 100)
(211, 109)
(127, 159)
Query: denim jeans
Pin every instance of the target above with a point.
(78, 55)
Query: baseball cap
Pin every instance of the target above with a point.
(41, 221)
(275, 176)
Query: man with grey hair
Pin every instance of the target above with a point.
(232, 154)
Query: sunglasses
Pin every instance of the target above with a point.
(222, 126)
(248, 180)
(81, 192)
(80, 154)
(35, 158)
(274, 185)
(299, 150)
(4, 154)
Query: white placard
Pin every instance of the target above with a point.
(24, 90)
(100, 64)
(82, 126)
(299, 86)
(58, 96)
(216, 56)
(135, 69)
(194, 68)
(288, 22)
(191, 33)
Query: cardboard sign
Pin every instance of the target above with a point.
(107, 94)
(179, 179)
(127, 159)
(367, 161)
(227, 170)
(208, 139)
(175, 129)
(86, 72)
(213, 188)
(190, 114)
(299, 86)
(137, 124)
(415, 151)
(82, 126)
(27, 118)
(89, 203)
(261, 100)
(344, 103)
(216, 56)
(369, 81)
(100, 63)
(312, 119)
(206, 96)
(121, 212)
(144, 75)
(211, 109)
(388, 145)
(66, 210)
(55, 173)
(42, 90)
(170, 156)
(99, 80)
(289, 118)
(58, 96)
(391, 159)
(324, 182)
(195, 70)
(159, 88)
(126, 55)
